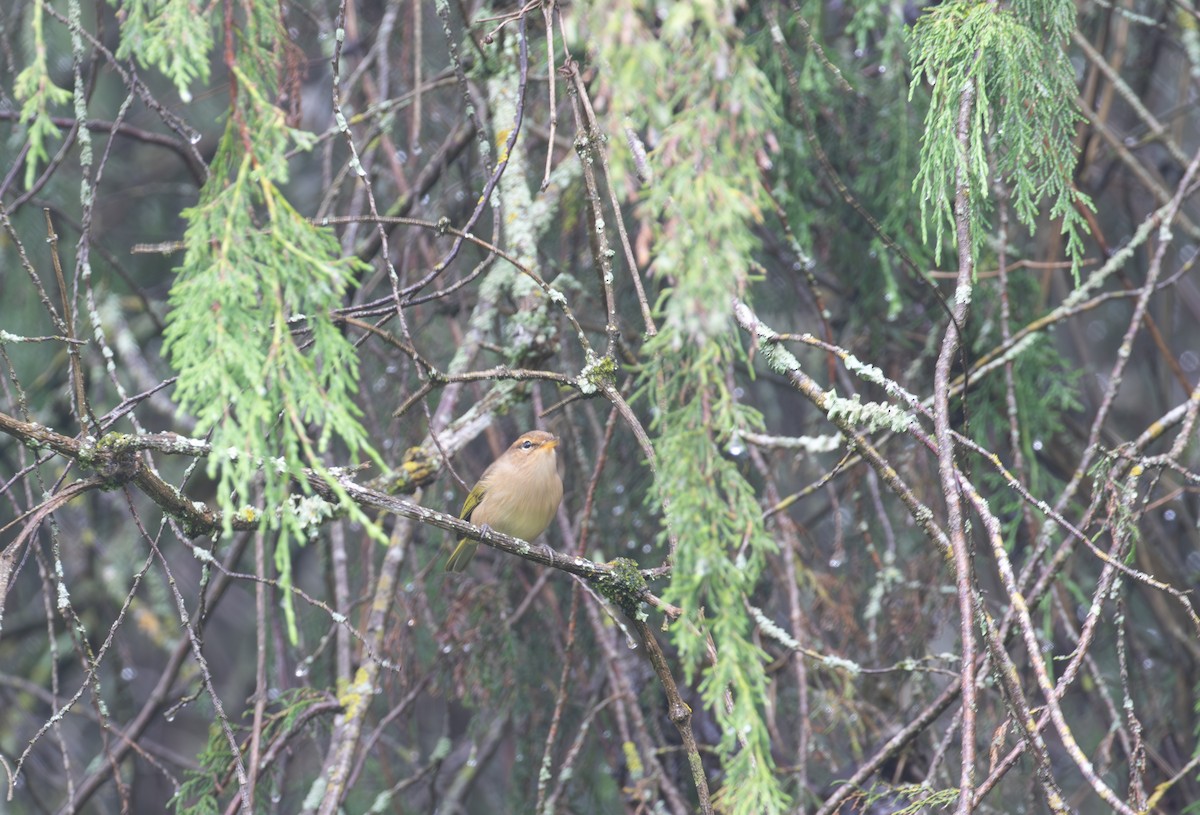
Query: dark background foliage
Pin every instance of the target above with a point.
(259, 212)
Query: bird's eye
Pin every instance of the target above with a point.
(527, 445)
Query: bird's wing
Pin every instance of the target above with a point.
(473, 499)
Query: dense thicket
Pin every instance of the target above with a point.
(869, 330)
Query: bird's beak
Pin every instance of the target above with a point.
(550, 445)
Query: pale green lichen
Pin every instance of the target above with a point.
(382, 803)
(311, 511)
(769, 628)
(807, 444)
(440, 750)
(838, 663)
(598, 373)
(874, 375)
(315, 793)
(870, 416)
(202, 555)
(778, 359)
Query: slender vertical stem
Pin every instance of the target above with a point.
(955, 522)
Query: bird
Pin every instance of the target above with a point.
(518, 494)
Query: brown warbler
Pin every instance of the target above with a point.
(517, 495)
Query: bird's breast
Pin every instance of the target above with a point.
(522, 510)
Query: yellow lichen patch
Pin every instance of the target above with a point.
(502, 144)
(355, 696)
(149, 624)
(633, 761)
